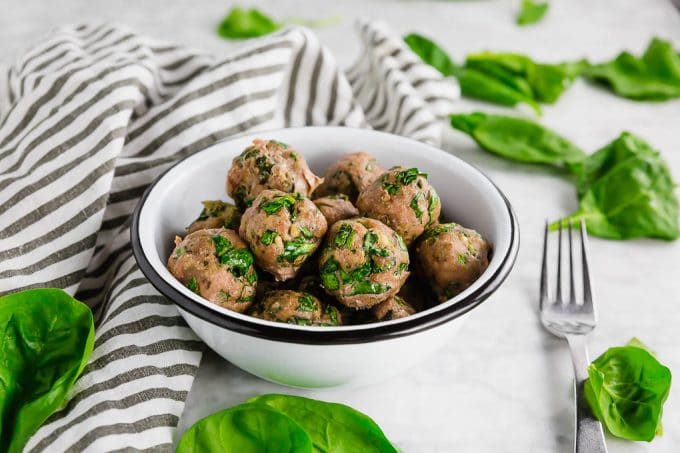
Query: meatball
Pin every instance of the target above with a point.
(268, 164)
(403, 200)
(350, 175)
(336, 207)
(217, 265)
(363, 263)
(216, 214)
(392, 308)
(296, 307)
(451, 258)
(283, 230)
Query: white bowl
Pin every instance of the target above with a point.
(306, 356)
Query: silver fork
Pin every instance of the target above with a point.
(573, 321)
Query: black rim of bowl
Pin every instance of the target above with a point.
(387, 331)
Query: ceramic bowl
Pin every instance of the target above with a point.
(305, 356)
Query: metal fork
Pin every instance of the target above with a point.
(573, 321)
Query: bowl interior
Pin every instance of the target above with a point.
(467, 196)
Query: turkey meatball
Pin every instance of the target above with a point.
(268, 164)
(216, 214)
(392, 308)
(296, 307)
(349, 175)
(403, 200)
(336, 207)
(363, 262)
(451, 258)
(217, 265)
(283, 230)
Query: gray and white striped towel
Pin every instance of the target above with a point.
(90, 117)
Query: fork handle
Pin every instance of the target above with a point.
(588, 436)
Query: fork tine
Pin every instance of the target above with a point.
(558, 292)
(544, 268)
(572, 291)
(587, 292)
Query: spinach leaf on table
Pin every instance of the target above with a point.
(473, 83)
(654, 76)
(47, 338)
(502, 78)
(626, 191)
(541, 82)
(251, 23)
(518, 139)
(626, 390)
(247, 428)
(246, 23)
(332, 427)
(531, 12)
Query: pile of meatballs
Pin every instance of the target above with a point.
(362, 244)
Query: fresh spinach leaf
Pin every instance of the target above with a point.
(430, 53)
(626, 390)
(473, 83)
(248, 428)
(654, 76)
(626, 191)
(246, 23)
(332, 427)
(250, 23)
(518, 139)
(536, 81)
(531, 12)
(47, 338)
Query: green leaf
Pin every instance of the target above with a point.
(430, 53)
(247, 428)
(655, 76)
(332, 427)
(246, 23)
(518, 139)
(531, 12)
(238, 260)
(534, 81)
(473, 83)
(626, 390)
(47, 338)
(275, 204)
(626, 191)
(296, 247)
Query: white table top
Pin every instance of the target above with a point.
(504, 385)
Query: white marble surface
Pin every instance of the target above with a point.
(504, 385)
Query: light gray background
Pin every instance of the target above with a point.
(503, 385)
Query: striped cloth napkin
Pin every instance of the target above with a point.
(88, 119)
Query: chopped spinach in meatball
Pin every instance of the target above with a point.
(296, 307)
(269, 164)
(217, 265)
(363, 262)
(403, 200)
(283, 230)
(451, 258)
(216, 214)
